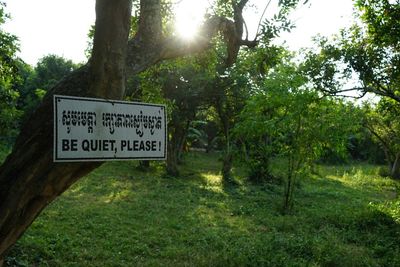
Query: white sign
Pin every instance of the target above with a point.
(91, 129)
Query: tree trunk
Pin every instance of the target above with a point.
(395, 167)
(172, 160)
(182, 141)
(289, 186)
(227, 161)
(177, 128)
(29, 178)
(227, 168)
(175, 145)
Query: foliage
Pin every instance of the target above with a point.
(235, 67)
(21, 87)
(101, 221)
(381, 19)
(362, 147)
(5, 149)
(369, 50)
(231, 88)
(181, 85)
(48, 72)
(9, 76)
(205, 133)
(285, 118)
(383, 123)
(196, 136)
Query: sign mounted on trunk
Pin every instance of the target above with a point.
(91, 129)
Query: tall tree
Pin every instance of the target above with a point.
(184, 88)
(29, 178)
(229, 88)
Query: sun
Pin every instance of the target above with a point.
(189, 15)
(186, 26)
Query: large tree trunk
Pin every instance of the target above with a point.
(171, 167)
(178, 133)
(222, 104)
(29, 178)
(182, 145)
(224, 114)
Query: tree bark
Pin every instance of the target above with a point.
(224, 113)
(177, 131)
(182, 146)
(172, 161)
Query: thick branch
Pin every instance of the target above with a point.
(143, 53)
(364, 90)
(150, 21)
(327, 92)
(385, 145)
(175, 47)
(382, 91)
(107, 64)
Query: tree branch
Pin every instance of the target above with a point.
(385, 145)
(150, 21)
(260, 21)
(154, 47)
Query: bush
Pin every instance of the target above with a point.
(259, 172)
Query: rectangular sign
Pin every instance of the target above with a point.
(91, 129)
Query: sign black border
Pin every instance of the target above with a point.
(55, 133)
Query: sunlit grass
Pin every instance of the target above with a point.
(119, 216)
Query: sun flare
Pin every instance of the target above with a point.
(189, 15)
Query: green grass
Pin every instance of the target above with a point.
(119, 216)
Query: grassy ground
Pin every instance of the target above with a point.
(119, 216)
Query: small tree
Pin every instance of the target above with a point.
(296, 122)
(183, 87)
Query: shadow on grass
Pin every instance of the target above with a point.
(118, 216)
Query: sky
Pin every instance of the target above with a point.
(324, 17)
(61, 26)
(51, 27)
